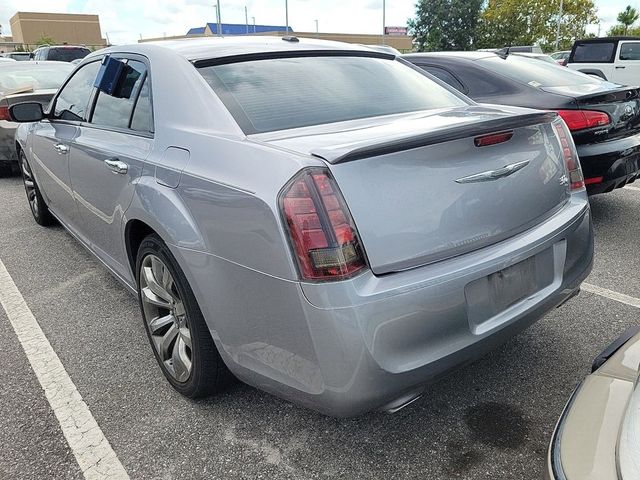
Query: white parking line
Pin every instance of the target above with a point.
(92, 450)
(618, 297)
(629, 187)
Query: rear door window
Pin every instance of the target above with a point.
(142, 120)
(444, 75)
(597, 52)
(116, 110)
(73, 100)
(630, 51)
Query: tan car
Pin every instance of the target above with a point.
(598, 434)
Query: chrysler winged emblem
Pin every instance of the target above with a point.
(490, 175)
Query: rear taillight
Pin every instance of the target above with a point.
(322, 232)
(582, 119)
(4, 113)
(569, 154)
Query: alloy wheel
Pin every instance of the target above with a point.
(166, 318)
(30, 186)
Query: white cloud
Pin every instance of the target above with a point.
(125, 20)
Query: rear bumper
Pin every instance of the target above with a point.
(610, 164)
(372, 342)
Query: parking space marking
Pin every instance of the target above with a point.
(618, 297)
(90, 447)
(629, 187)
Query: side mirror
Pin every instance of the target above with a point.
(26, 112)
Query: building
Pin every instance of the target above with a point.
(81, 29)
(236, 29)
(403, 43)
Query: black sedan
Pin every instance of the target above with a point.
(604, 118)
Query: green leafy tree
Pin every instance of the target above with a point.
(445, 24)
(628, 17)
(534, 22)
(45, 40)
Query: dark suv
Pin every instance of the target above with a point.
(61, 53)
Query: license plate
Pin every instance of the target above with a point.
(488, 296)
(512, 284)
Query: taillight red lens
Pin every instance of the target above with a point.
(4, 113)
(569, 154)
(582, 119)
(322, 232)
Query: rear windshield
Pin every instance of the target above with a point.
(20, 56)
(534, 72)
(594, 52)
(282, 93)
(66, 54)
(25, 76)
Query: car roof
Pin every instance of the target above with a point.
(465, 55)
(203, 48)
(606, 39)
(34, 63)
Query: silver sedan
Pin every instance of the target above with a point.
(321, 220)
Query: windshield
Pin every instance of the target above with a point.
(20, 76)
(536, 73)
(282, 93)
(66, 54)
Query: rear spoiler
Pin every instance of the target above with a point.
(408, 141)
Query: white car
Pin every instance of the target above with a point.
(616, 59)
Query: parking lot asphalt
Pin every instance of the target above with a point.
(491, 419)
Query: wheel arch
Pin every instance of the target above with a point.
(158, 210)
(594, 71)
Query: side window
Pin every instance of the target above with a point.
(630, 51)
(445, 76)
(115, 110)
(73, 100)
(142, 120)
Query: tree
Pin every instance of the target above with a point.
(45, 40)
(628, 17)
(445, 24)
(534, 22)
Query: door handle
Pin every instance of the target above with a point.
(116, 166)
(619, 67)
(61, 148)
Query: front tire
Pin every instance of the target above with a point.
(175, 325)
(39, 209)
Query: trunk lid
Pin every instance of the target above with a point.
(43, 96)
(622, 104)
(420, 190)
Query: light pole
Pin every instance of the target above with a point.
(286, 14)
(246, 19)
(254, 24)
(219, 27)
(384, 12)
(317, 35)
(558, 30)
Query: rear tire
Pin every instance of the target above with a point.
(175, 326)
(39, 209)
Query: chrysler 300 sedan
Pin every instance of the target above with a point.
(323, 221)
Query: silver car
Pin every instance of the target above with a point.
(323, 221)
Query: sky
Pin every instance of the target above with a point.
(124, 21)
